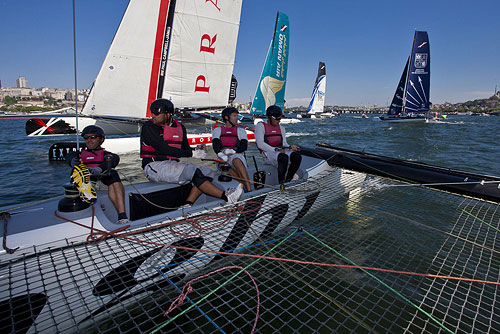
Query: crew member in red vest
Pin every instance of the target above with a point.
(99, 162)
(270, 137)
(163, 142)
(229, 142)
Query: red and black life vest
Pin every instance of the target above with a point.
(172, 135)
(228, 136)
(92, 158)
(272, 135)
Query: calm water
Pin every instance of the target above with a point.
(461, 142)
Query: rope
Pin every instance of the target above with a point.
(188, 288)
(384, 284)
(333, 265)
(97, 235)
(29, 204)
(223, 284)
(324, 295)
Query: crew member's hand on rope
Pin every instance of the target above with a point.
(75, 161)
(95, 171)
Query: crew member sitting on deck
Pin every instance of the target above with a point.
(98, 160)
(270, 137)
(163, 142)
(229, 142)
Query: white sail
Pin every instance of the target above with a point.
(317, 104)
(318, 98)
(201, 57)
(120, 88)
(181, 50)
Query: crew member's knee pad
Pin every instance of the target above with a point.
(199, 178)
(295, 157)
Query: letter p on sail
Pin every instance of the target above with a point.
(203, 87)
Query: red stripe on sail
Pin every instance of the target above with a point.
(155, 70)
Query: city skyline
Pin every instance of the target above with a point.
(363, 44)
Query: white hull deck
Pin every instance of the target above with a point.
(72, 268)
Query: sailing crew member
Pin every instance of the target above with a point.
(229, 142)
(163, 142)
(97, 160)
(270, 137)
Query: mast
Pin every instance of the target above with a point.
(76, 86)
(403, 110)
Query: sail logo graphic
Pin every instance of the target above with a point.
(269, 86)
(420, 60)
(283, 27)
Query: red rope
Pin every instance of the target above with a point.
(338, 265)
(97, 235)
(188, 288)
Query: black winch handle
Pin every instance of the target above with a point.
(255, 163)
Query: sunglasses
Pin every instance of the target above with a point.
(276, 118)
(91, 137)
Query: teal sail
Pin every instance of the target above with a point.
(271, 87)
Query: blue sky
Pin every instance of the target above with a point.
(363, 43)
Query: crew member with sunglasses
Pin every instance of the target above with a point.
(163, 142)
(100, 163)
(270, 137)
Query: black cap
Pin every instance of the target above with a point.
(162, 106)
(89, 129)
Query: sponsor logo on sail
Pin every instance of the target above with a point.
(420, 60)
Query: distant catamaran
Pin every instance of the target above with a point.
(271, 87)
(175, 49)
(411, 100)
(317, 104)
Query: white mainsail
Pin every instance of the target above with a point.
(181, 50)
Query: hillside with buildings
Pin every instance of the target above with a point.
(489, 105)
(23, 98)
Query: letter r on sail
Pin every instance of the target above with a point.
(211, 41)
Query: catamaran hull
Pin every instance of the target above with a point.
(63, 126)
(124, 145)
(403, 119)
(64, 284)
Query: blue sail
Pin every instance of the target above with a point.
(418, 82)
(271, 87)
(396, 106)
